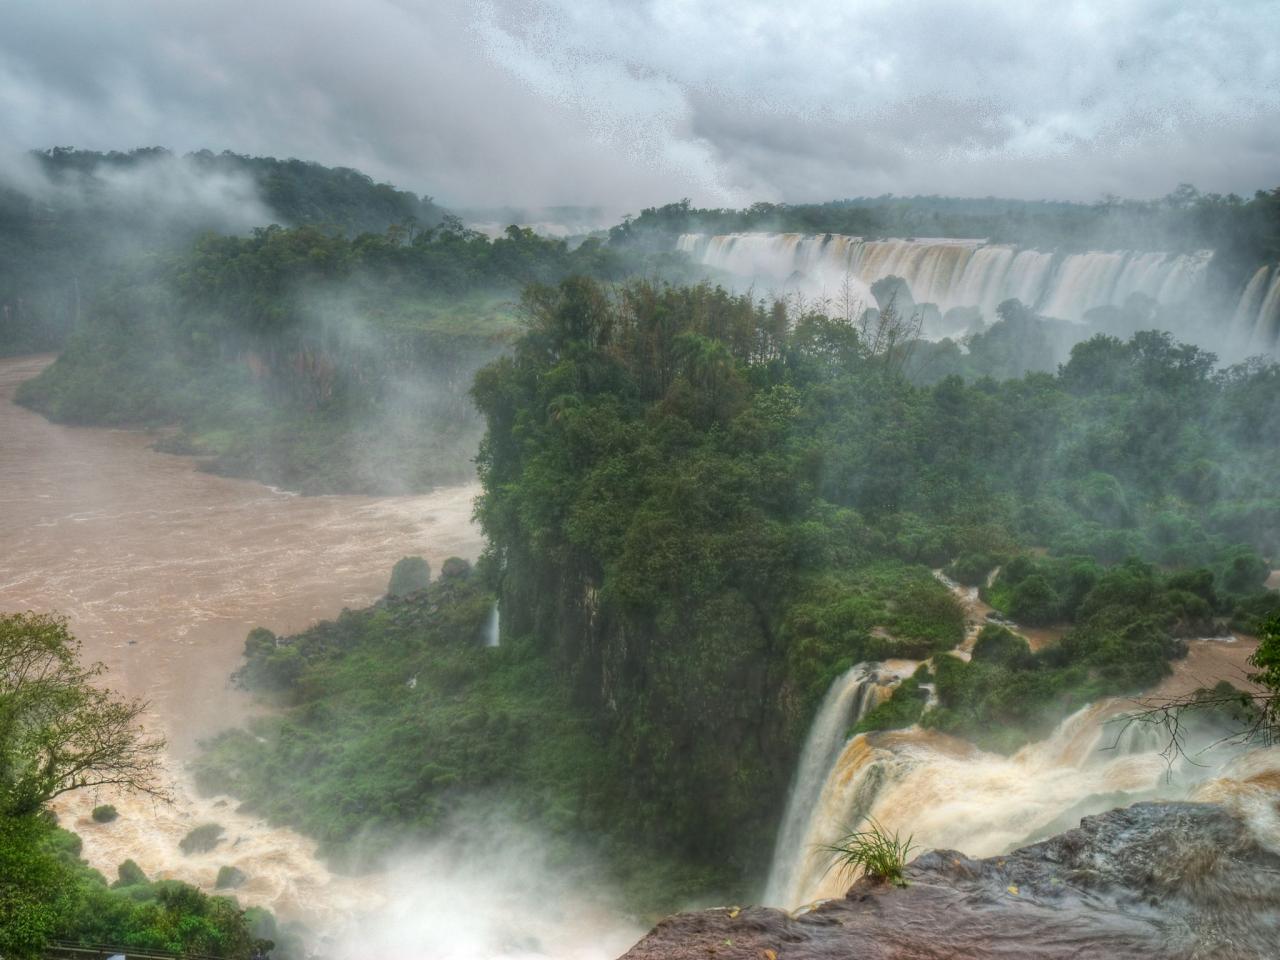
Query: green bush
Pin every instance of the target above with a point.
(409, 575)
(129, 874)
(104, 813)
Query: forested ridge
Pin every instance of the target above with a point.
(308, 358)
(1242, 228)
(73, 221)
(701, 509)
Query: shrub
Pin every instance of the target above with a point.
(996, 644)
(202, 839)
(455, 568)
(105, 813)
(129, 874)
(1034, 601)
(409, 575)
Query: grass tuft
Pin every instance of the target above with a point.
(874, 851)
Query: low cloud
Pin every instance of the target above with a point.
(630, 102)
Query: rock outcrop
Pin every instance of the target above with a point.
(1156, 881)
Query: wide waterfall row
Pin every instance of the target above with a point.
(973, 273)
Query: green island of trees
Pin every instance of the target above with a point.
(701, 509)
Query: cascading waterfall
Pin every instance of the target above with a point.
(1267, 325)
(973, 273)
(948, 794)
(855, 693)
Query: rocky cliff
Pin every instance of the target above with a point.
(1156, 880)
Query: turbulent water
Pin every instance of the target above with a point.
(161, 570)
(947, 794)
(973, 273)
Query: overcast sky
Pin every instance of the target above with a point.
(633, 102)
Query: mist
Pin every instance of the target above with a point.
(493, 890)
(589, 479)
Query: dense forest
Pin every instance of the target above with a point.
(701, 509)
(308, 358)
(72, 220)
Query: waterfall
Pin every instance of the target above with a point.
(1267, 326)
(1246, 312)
(956, 273)
(491, 627)
(855, 693)
(948, 794)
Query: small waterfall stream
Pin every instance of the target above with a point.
(491, 634)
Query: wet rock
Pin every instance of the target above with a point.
(1173, 881)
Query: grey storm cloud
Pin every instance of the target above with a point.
(630, 102)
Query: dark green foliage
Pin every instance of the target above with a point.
(61, 246)
(269, 664)
(202, 839)
(996, 644)
(455, 568)
(105, 813)
(47, 892)
(697, 505)
(129, 874)
(408, 575)
(31, 879)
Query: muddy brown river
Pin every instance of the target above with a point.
(161, 570)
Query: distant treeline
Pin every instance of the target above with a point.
(71, 219)
(1242, 230)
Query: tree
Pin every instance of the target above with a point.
(409, 575)
(58, 730)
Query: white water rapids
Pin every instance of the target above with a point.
(945, 793)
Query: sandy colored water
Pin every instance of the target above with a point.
(161, 570)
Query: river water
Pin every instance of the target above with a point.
(161, 569)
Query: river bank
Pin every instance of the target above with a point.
(161, 569)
